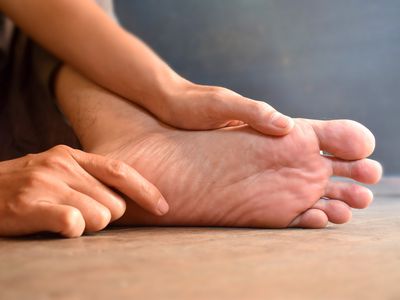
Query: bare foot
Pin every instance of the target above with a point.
(237, 177)
(233, 176)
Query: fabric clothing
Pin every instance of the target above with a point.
(6, 29)
(30, 121)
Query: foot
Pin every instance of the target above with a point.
(238, 177)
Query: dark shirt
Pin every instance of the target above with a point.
(5, 39)
(30, 121)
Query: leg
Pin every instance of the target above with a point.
(228, 177)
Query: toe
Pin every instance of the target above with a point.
(337, 211)
(311, 218)
(354, 195)
(345, 139)
(365, 170)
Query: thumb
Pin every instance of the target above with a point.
(258, 114)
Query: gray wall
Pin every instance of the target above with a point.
(311, 58)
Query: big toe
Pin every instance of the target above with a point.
(345, 139)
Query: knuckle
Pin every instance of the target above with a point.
(262, 108)
(117, 169)
(61, 149)
(30, 159)
(52, 161)
(71, 223)
(219, 93)
(355, 190)
(218, 99)
(356, 170)
(260, 104)
(57, 161)
(116, 206)
(34, 179)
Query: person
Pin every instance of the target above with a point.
(233, 176)
(84, 36)
(124, 65)
(65, 190)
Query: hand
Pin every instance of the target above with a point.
(199, 107)
(63, 190)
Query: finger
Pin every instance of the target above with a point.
(96, 190)
(258, 114)
(62, 164)
(45, 216)
(125, 179)
(63, 219)
(96, 215)
(354, 195)
(345, 139)
(365, 170)
(311, 218)
(337, 211)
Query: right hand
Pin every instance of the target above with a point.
(63, 190)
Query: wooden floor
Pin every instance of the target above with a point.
(360, 260)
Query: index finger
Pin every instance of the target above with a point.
(125, 179)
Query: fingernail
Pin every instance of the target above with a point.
(162, 206)
(279, 120)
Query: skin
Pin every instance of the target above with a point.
(232, 176)
(67, 191)
(128, 67)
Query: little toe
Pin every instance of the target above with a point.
(354, 195)
(311, 218)
(364, 170)
(345, 139)
(337, 211)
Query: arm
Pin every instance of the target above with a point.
(81, 34)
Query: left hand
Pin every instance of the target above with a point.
(200, 107)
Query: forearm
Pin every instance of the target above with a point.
(82, 35)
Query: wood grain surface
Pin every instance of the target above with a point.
(360, 260)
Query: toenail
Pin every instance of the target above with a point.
(324, 153)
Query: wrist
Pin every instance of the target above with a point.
(166, 87)
(163, 96)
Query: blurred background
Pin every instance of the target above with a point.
(311, 58)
